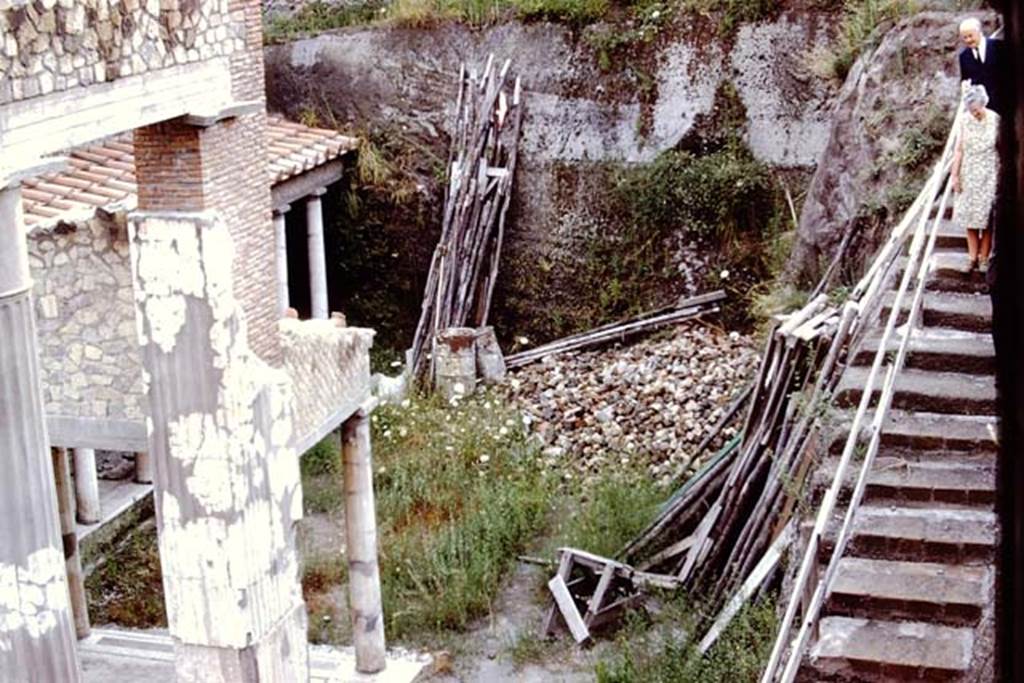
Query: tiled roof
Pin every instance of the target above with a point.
(102, 175)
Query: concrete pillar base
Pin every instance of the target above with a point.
(281, 655)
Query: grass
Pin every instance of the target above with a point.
(459, 490)
(657, 657)
(731, 13)
(861, 28)
(608, 512)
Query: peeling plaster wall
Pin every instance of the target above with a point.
(52, 46)
(330, 368)
(88, 349)
(228, 489)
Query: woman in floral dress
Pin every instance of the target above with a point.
(974, 175)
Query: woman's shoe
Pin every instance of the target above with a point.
(972, 265)
(983, 265)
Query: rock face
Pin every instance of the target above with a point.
(654, 401)
(576, 111)
(909, 84)
(582, 122)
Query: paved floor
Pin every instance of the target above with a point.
(116, 656)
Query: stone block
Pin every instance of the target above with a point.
(48, 307)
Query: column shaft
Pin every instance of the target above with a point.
(281, 259)
(143, 468)
(317, 256)
(87, 486)
(361, 546)
(72, 558)
(37, 637)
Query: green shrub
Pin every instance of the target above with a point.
(318, 17)
(572, 11)
(716, 195)
(323, 458)
(731, 13)
(863, 24)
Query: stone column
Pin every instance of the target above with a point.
(281, 259)
(317, 257)
(361, 545)
(37, 636)
(226, 484)
(143, 468)
(72, 558)
(87, 486)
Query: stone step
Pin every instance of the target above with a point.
(938, 349)
(950, 237)
(928, 431)
(924, 390)
(968, 312)
(949, 274)
(917, 534)
(850, 648)
(933, 477)
(926, 591)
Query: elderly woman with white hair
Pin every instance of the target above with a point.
(974, 175)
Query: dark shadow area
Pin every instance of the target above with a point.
(1008, 334)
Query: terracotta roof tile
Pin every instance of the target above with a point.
(103, 174)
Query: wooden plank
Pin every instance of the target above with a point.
(564, 569)
(567, 607)
(757, 577)
(668, 553)
(597, 599)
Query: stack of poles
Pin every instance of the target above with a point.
(481, 168)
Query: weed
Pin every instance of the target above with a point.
(739, 654)
(570, 11)
(127, 588)
(527, 647)
(863, 24)
(323, 458)
(731, 13)
(459, 491)
(318, 17)
(612, 510)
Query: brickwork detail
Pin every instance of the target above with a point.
(88, 349)
(222, 169)
(329, 367)
(55, 45)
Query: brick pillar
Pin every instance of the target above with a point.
(37, 637)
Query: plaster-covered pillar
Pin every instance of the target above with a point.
(87, 486)
(317, 256)
(281, 258)
(361, 545)
(226, 482)
(37, 637)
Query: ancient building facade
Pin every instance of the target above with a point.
(214, 372)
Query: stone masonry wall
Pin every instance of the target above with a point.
(329, 367)
(54, 45)
(86, 320)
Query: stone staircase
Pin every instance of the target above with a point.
(913, 597)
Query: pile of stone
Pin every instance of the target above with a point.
(654, 401)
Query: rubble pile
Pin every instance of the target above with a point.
(654, 401)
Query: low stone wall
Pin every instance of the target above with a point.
(89, 353)
(329, 366)
(52, 46)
